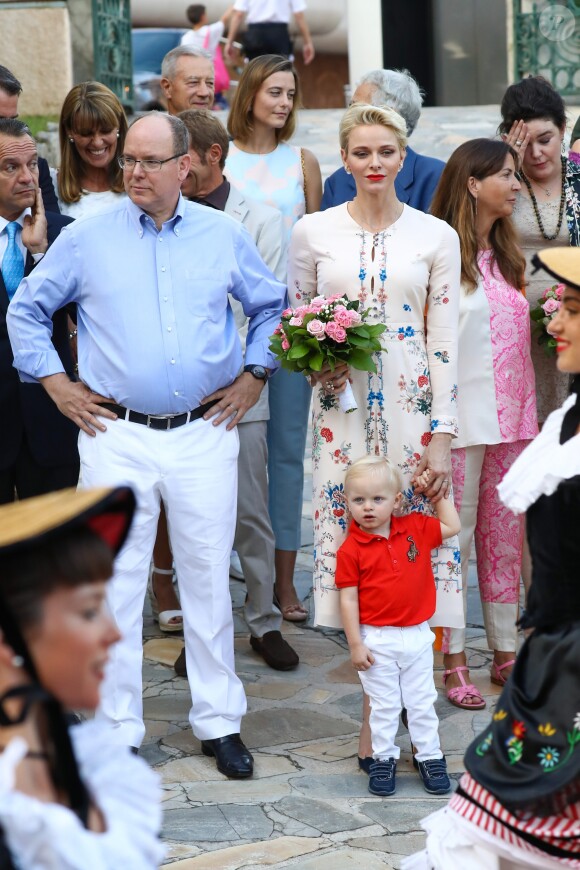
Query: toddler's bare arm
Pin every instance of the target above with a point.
(361, 657)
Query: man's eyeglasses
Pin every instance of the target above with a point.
(146, 165)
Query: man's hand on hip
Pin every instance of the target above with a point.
(234, 400)
(77, 402)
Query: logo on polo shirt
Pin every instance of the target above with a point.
(412, 552)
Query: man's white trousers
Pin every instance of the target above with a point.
(193, 469)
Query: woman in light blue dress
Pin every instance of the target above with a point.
(265, 167)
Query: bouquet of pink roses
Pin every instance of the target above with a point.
(330, 330)
(545, 311)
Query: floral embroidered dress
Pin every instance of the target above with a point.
(399, 273)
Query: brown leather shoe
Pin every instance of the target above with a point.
(275, 651)
(180, 666)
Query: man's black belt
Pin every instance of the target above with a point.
(158, 421)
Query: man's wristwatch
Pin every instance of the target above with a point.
(259, 372)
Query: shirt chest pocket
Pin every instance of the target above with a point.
(205, 293)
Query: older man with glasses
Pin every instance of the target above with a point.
(157, 403)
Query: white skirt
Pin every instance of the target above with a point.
(454, 843)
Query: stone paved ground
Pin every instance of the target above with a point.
(307, 805)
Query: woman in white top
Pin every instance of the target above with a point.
(497, 396)
(266, 167)
(92, 130)
(68, 799)
(398, 262)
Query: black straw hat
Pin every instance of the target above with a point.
(563, 264)
(33, 521)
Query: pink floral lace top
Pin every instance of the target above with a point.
(515, 384)
(497, 395)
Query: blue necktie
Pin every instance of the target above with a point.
(13, 261)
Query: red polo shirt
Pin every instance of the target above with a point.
(394, 575)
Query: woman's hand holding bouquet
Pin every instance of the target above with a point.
(543, 313)
(325, 337)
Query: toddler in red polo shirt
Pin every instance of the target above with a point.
(387, 594)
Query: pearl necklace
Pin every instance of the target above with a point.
(537, 210)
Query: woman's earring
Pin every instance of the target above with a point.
(347, 170)
(70, 139)
(400, 166)
(17, 661)
(118, 134)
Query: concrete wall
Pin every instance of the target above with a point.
(365, 39)
(471, 51)
(81, 31)
(35, 46)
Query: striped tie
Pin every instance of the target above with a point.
(13, 261)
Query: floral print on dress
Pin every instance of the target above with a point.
(572, 184)
(549, 758)
(279, 172)
(440, 297)
(341, 456)
(329, 253)
(513, 373)
(414, 397)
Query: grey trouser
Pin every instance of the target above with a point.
(254, 539)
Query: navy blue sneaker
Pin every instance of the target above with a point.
(365, 763)
(382, 777)
(433, 772)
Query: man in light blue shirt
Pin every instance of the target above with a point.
(157, 403)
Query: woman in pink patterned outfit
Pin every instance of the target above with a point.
(497, 400)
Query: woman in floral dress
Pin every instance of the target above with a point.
(404, 266)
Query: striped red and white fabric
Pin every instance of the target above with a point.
(483, 810)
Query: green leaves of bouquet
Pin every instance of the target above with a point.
(327, 330)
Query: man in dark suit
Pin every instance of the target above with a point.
(10, 90)
(416, 182)
(38, 445)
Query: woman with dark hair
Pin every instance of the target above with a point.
(518, 805)
(497, 401)
(547, 210)
(265, 167)
(92, 130)
(68, 799)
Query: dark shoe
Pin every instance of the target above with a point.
(232, 757)
(275, 651)
(382, 777)
(365, 763)
(180, 666)
(433, 772)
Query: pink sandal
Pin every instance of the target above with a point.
(496, 672)
(458, 694)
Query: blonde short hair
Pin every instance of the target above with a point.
(375, 466)
(360, 114)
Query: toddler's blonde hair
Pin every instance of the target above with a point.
(375, 466)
